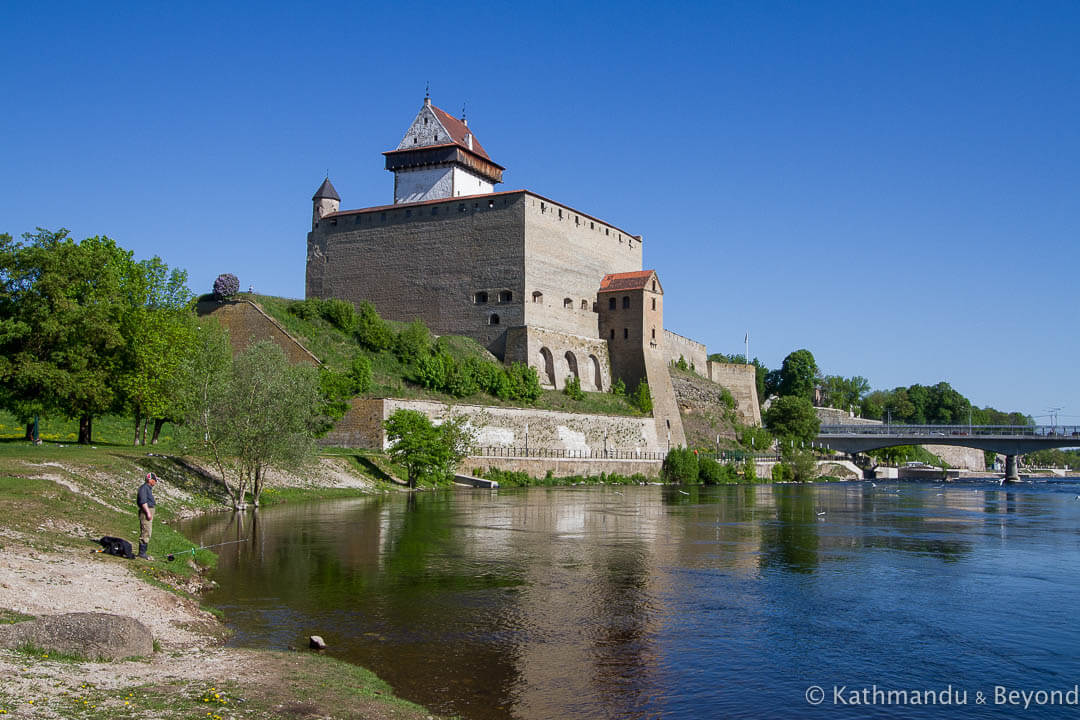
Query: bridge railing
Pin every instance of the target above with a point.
(923, 431)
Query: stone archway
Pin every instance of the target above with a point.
(547, 367)
(571, 364)
(598, 379)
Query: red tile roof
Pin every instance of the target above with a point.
(458, 130)
(626, 281)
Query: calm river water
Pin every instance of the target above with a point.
(643, 602)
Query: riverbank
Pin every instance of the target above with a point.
(55, 500)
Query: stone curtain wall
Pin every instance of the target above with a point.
(503, 427)
(428, 261)
(567, 254)
(676, 346)
(248, 324)
(741, 382)
(563, 467)
(528, 345)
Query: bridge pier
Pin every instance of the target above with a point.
(1011, 474)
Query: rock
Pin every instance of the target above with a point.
(315, 642)
(90, 635)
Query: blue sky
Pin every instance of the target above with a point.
(895, 187)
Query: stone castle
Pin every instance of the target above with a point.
(532, 279)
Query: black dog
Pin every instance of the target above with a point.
(117, 546)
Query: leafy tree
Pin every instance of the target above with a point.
(360, 373)
(792, 418)
(642, 398)
(798, 375)
(680, 467)
(524, 383)
(844, 393)
(62, 340)
(573, 388)
(427, 451)
(802, 463)
(260, 412)
(371, 330)
(749, 470)
(681, 364)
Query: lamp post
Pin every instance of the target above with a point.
(526, 439)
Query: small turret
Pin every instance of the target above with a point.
(326, 200)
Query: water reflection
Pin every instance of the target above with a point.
(639, 602)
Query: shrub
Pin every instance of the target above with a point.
(360, 373)
(434, 370)
(782, 472)
(573, 388)
(524, 383)
(226, 286)
(618, 388)
(371, 330)
(681, 364)
(727, 398)
(680, 466)
(642, 398)
(339, 313)
(750, 471)
(709, 471)
(412, 342)
(305, 309)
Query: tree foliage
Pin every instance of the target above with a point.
(844, 393)
(792, 418)
(251, 414)
(428, 451)
(798, 375)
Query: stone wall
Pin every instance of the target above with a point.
(741, 382)
(557, 355)
(695, 354)
(248, 324)
(563, 467)
(503, 427)
(434, 261)
(832, 416)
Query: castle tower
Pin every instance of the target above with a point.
(325, 200)
(440, 158)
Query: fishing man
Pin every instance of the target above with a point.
(145, 501)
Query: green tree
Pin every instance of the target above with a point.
(844, 393)
(62, 335)
(251, 414)
(680, 467)
(642, 398)
(802, 462)
(573, 388)
(798, 375)
(792, 418)
(427, 451)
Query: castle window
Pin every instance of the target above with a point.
(505, 296)
(560, 213)
(491, 203)
(592, 226)
(480, 298)
(611, 305)
(414, 141)
(612, 333)
(584, 304)
(538, 297)
(654, 303)
(654, 290)
(543, 208)
(654, 333)
(493, 319)
(568, 303)
(626, 302)
(358, 219)
(461, 206)
(607, 231)
(625, 333)
(425, 121)
(436, 137)
(577, 220)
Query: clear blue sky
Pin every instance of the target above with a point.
(894, 186)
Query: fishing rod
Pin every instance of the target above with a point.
(172, 556)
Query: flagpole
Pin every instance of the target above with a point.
(747, 341)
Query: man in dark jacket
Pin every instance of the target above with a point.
(145, 501)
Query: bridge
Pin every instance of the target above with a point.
(1009, 440)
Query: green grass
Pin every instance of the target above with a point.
(9, 617)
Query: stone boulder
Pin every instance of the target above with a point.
(90, 635)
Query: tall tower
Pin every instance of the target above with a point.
(439, 158)
(325, 201)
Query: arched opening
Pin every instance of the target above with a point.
(548, 366)
(493, 319)
(571, 362)
(584, 304)
(568, 303)
(538, 297)
(598, 380)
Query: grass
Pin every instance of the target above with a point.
(10, 617)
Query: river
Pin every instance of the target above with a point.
(644, 602)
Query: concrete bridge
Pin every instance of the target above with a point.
(1009, 440)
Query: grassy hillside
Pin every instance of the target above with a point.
(391, 377)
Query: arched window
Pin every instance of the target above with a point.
(493, 319)
(598, 380)
(611, 303)
(505, 296)
(626, 302)
(568, 303)
(480, 297)
(584, 304)
(538, 297)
